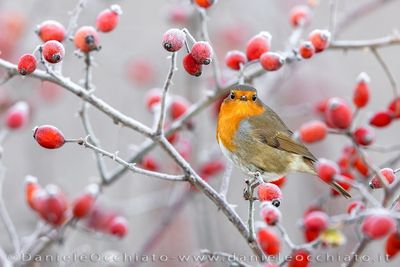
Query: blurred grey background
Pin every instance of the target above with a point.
(142, 199)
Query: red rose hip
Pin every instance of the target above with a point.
(300, 15)
(269, 192)
(326, 170)
(205, 3)
(381, 119)
(320, 39)
(49, 137)
(191, 66)
(306, 50)
(51, 30)
(234, 59)
(86, 39)
(173, 40)
(53, 51)
(338, 113)
(27, 64)
(118, 226)
(17, 115)
(363, 136)
(108, 19)
(271, 61)
(258, 45)
(361, 91)
(313, 131)
(202, 52)
(387, 173)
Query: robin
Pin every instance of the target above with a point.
(254, 137)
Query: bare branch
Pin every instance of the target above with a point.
(161, 121)
(83, 113)
(388, 73)
(365, 44)
(130, 166)
(5, 217)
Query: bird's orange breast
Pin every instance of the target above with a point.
(231, 114)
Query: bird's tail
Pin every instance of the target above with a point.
(340, 189)
(334, 185)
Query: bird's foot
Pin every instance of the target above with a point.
(252, 184)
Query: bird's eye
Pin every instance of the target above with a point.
(232, 95)
(254, 97)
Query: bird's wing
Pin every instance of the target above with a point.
(272, 131)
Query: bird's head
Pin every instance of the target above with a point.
(243, 99)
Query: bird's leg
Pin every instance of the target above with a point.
(248, 194)
(252, 184)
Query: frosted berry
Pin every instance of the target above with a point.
(326, 170)
(381, 119)
(54, 206)
(270, 214)
(118, 226)
(17, 115)
(86, 39)
(173, 40)
(361, 91)
(48, 136)
(269, 241)
(202, 52)
(364, 136)
(205, 3)
(299, 258)
(320, 39)
(338, 113)
(191, 66)
(271, 61)
(313, 131)
(234, 59)
(258, 45)
(152, 98)
(27, 64)
(51, 30)
(178, 108)
(83, 204)
(316, 221)
(306, 50)
(392, 246)
(387, 173)
(300, 15)
(355, 206)
(31, 187)
(378, 225)
(53, 51)
(269, 192)
(108, 19)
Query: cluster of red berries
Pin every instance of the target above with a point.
(53, 33)
(52, 206)
(200, 54)
(258, 47)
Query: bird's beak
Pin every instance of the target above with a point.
(243, 98)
